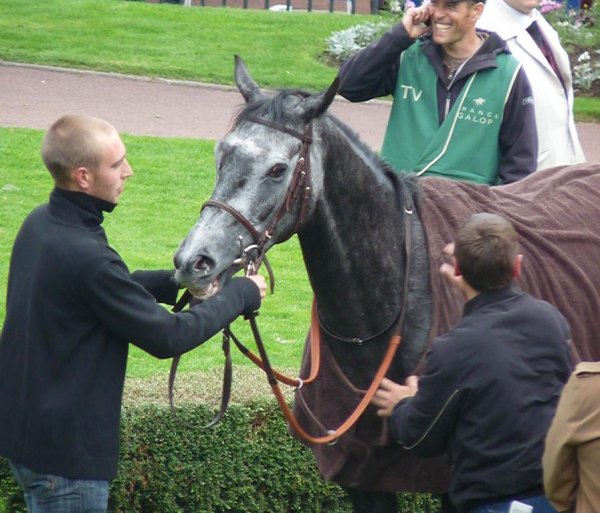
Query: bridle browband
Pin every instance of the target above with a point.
(299, 189)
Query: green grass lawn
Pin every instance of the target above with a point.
(587, 109)
(173, 176)
(161, 202)
(167, 40)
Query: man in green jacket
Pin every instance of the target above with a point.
(463, 107)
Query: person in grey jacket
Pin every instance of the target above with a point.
(72, 310)
(463, 107)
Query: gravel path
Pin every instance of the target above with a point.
(35, 96)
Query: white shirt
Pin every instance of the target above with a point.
(557, 134)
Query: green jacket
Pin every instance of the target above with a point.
(466, 145)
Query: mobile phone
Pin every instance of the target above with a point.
(427, 21)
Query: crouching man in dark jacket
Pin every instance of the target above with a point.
(491, 384)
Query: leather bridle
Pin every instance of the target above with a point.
(298, 190)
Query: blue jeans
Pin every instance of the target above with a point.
(540, 505)
(45, 493)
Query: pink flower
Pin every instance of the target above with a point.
(547, 6)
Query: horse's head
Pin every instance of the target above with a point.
(267, 180)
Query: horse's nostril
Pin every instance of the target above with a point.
(203, 265)
(177, 260)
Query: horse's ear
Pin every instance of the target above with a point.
(246, 84)
(317, 104)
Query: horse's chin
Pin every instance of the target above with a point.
(205, 292)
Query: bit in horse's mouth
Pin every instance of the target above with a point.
(203, 293)
(196, 282)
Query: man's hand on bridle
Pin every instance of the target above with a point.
(260, 283)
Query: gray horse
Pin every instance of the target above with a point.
(287, 166)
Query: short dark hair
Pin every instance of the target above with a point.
(485, 250)
(74, 141)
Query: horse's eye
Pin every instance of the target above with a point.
(277, 171)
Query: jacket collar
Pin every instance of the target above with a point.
(490, 296)
(78, 207)
(504, 19)
(484, 58)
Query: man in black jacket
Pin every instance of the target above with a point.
(72, 310)
(491, 384)
(463, 107)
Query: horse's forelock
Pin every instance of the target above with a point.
(272, 108)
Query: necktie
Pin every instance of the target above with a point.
(537, 36)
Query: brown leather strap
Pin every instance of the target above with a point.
(297, 188)
(306, 137)
(227, 379)
(262, 258)
(227, 373)
(315, 355)
(354, 416)
(237, 215)
(393, 345)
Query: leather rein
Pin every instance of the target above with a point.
(298, 190)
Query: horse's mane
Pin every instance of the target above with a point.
(404, 179)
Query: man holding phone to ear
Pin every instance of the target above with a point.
(463, 107)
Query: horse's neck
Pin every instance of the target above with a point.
(354, 244)
(353, 248)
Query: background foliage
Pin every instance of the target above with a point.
(246, 464)
(578, 30)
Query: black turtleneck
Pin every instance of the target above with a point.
(72, 310)
(92, 204)
(79, 208)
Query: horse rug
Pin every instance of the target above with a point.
(556, 213)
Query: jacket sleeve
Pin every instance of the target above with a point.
(373, 71)
(560, 454)
(132, 314)
(425, 422)
(518, 133)
(161, 284)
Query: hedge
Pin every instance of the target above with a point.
(248, 463)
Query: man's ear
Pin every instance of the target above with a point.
(82, 178)
(516, 271)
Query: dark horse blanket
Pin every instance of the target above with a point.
(557, 215)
